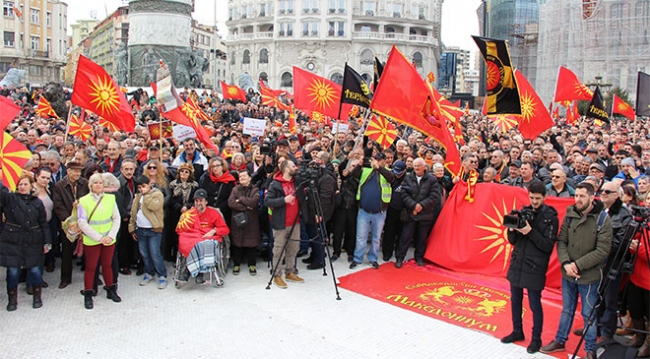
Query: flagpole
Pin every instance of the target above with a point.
(160, 140)
(362, 132)
(341, 101)
(336, 141)
(67, 127)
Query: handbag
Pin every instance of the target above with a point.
(70, 226)
(241, 219)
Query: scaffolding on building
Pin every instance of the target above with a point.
(594, 38)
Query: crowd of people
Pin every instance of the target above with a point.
(129, 191)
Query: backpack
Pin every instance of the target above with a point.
(600, 222)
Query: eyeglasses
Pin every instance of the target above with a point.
(555, 177)
(216, 165)
(184, 171)
(607, 192)
(152, 167)
(473, 162)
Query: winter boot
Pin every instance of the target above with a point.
(37, 303)
(88, 299)
(111, 293)
(644, 351)
(639, 337)
(12, 295)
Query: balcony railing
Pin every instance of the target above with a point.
(38, 53)
(393, 36)
(251, 36)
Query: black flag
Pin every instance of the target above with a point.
(643, 95)
(597, 107)
(355, 89)
(501, 85)
(379, 68)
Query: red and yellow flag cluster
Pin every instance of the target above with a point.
(44, 108)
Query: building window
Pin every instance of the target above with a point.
(417, 59)
(336, 28)
(35, 70)
(337, 5)
(286, 6)
(232, 58)
(35, 43)
(8, 9)
(310, 28)
(48, 19)
(48, 45)
(367, 57)
(35, 16)
(287, 80)
(369, 7)
(264, 56)
(394, 9)
(286, 29)
(337, 77)
(246, 59)
(10, 38)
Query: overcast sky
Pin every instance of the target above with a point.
(458, 16)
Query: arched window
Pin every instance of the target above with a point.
(367, 57)
(417, 58)
(232, 58)
(337, 77)
(246, 59)
(287, 80)
(264, 56)
(264, 77)
(390, 32)
(367, 78)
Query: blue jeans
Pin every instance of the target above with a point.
(588, 296)
(368, 222)
(34, 277)
(149, 245)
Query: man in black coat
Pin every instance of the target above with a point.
(533, 245)
(421, 197)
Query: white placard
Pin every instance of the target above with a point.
(339, 128)
(254, 127)
(181, 132)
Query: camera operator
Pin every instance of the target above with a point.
(325, 186)
(283, 202)
(533, 244)
(621, 217)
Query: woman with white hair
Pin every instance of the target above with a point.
(99, 221)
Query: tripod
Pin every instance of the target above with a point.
(312, 197)
(617, 267)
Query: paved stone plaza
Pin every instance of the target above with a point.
(242, 319)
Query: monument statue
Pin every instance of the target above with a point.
(13, 77)
(53, 92)
(121, 64)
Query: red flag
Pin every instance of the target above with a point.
(381, 131)
(271, 97)
(405, 97)
(556, 113)
(233, 92)
(95, 90)
(482, 246)
(13, 158)
(622, 108)
(315, 93)
(504, 122)
(160, 130)
(9, 111)
(569, 88)
(80, 128)
(44, 108)
(534, 119)
(576, 112)
(192, 110)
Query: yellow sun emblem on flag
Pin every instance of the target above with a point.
(581, 89)
(622, 106)
(498, 237)
(187, 220)
(232, 91)
(106, 98)
(527, 108)
(322, 93)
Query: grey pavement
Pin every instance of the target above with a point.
(241, 319)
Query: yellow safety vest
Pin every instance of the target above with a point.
(386, 189)
(102, 220)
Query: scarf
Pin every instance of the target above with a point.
(224, 178)
(183, 189)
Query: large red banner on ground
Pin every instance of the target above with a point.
(470, 237)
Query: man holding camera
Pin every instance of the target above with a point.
(533, 244)
(583, 246)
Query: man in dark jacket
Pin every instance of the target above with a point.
(283, 199)
(326, 188)
(421, 198)
(621, 217)
(65, 193)
(394, 225)
(533, 245)
(583, 246)
(127, 249)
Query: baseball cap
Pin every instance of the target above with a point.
(516, 163)
(201, 193)
(399, 167)
(598, 166)
(379, 156)
(283, 143)
(629, 161)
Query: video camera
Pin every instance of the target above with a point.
(518, 219)
(267, 148)
(310, 170)
(640, 213)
